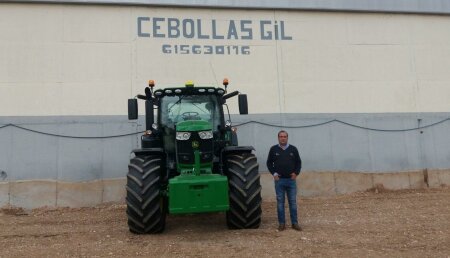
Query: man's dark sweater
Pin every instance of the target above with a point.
(284, 162)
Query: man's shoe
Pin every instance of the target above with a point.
(281, 227)
(297, 227)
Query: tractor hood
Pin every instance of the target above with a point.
(193, 126)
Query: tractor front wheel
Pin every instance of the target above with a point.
(244, 191)
(146, 208)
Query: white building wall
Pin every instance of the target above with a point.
(58, 60)
(358, 92)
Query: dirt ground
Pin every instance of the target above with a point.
(413, 223)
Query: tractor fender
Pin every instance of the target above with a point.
(237, 149)
(149, 151)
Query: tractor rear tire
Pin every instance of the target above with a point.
(146, 207)
(244, 191)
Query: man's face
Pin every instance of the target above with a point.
(282, 139)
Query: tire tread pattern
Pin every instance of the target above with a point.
(244, 191)
(145, 205)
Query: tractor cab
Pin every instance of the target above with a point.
(181, 116)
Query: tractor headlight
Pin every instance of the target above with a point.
(183, 136)
(205, 135)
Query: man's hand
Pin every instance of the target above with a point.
(293, 176)
(276, 177)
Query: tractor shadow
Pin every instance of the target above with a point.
(200, 223)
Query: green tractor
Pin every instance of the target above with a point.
(189, 161)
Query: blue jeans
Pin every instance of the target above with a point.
(283, 187)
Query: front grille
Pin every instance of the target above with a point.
(185, 150)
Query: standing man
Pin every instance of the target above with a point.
(284, 164)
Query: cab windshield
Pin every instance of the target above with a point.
(175, 109)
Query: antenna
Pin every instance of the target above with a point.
(212, 70)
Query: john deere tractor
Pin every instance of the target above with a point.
(189, 161)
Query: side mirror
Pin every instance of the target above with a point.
(243, 106)
(132, 109)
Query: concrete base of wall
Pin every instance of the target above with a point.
(40, 193)
(32, 194)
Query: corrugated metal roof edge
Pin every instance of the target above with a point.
(437, 7)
